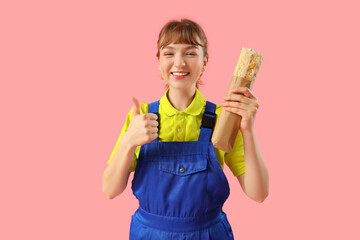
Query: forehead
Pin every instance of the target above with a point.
(180, 46)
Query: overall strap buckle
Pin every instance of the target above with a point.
(154, 108)
(208, 122)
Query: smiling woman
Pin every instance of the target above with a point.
(179, 179)
(181, 65)
(184, 32)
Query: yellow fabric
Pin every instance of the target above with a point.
(185, 125)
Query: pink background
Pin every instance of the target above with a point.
(69, 68)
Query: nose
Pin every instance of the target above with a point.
(179, 61)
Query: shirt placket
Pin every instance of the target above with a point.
(180, 126)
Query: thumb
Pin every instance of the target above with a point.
(136, 110)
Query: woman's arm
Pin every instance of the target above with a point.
(142, 129)
(255, 180)
(116, 174)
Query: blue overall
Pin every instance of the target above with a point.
(181, 188)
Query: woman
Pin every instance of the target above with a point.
(179, 180)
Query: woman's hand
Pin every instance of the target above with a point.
(143, 128)
(242, 102)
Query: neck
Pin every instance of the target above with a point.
(181, 99)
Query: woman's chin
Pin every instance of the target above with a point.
(181, 85)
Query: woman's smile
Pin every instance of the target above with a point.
(180, 75)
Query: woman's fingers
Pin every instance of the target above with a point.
(136, 110)
(154, 123)
(154, 130)
(236, 101)
(244, 90)
(237, 111)
(240, 105)
(238, 98)
(152, 116)
(234, 104)
(150, 119)
(241, 101)
(153, 136)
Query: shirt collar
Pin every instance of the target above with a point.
(194, 108)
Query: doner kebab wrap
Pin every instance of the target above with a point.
(227, 126)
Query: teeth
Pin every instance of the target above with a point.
(179, 74)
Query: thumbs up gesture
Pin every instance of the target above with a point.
(136, 110)
(143, 128)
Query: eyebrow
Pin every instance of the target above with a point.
(189, 47)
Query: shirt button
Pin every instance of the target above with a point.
(182, 170)
(179, 130)
(180, 115)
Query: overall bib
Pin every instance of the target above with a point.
(181, 188)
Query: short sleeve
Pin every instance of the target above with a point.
(123, 130)
(235, 158)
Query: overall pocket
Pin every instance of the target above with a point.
(184, 165)
(181, 184)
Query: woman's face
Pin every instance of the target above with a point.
(181, 65)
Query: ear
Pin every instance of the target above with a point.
(206, 59)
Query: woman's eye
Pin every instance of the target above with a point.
(169, 54)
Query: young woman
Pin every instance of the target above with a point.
(179, 179)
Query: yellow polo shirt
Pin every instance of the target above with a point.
(178, 126)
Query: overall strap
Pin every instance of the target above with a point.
(154, 108)
(208, 122)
